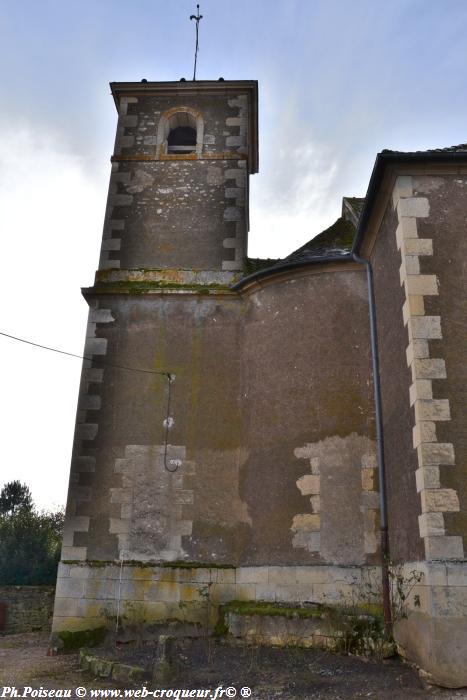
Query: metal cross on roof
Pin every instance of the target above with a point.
(197, 17)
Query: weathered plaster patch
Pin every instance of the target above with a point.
(342, 524)
(153, 501)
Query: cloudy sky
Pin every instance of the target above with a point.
(339, 80)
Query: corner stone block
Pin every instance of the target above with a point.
(63, 570)
(232, 214)
(431, 524)
(93, 374)
(121, 200)
(406, 229)
(420, 389)
(413, 306)
(101, 316)
(422, 285)
(90, 402)
(86, 431)
(413, 207)
(457, 574)
(434, 573)
(427, 478)
(435, 453)
(432, 410)
(233, 141)
(111, 244)
(403, 187)
(66, 607)
(439, 501)
(409, 266)
(70, 588)
(425, 327)
(416, 349)
(424, 431)
(74, 553)
(84, 464)
(95, 346)
(428, 369)
(417, 246)
(446, 548)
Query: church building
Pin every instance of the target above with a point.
(228, 442)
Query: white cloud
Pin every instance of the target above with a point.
(51, 210)
(293, 203)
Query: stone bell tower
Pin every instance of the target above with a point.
(178, 195)
(162, 338)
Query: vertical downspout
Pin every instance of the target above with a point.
(379, 445)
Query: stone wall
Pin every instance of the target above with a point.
(29, 608)
(398, 414)
(419, 261)
(89, 595)
(433, 630)
(179, 211)
(270, 454)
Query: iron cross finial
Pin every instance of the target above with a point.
(197, 17)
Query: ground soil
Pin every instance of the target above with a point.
(285, 674)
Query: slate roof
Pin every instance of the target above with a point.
(460, 148)
(335, 240)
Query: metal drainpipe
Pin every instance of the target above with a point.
(379, 446)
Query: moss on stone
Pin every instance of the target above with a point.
(81, 638)
(98, 563)
(142, 287)
(195, 565)
(265, 608)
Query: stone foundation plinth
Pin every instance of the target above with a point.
(434, 633)
(91, 595)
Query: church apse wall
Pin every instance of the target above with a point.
(308, 403)
(262, 483)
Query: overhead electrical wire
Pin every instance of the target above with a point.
(83, 357)
(170, 377)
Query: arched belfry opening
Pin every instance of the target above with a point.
(182, 139)
(181, 131)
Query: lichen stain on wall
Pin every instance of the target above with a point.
(340, 484)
